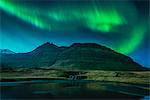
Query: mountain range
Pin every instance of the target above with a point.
(78, 56)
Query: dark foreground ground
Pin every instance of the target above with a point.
(29, 84)
(138, 77)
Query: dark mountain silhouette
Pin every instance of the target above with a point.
(42, 56)
(79, 56)
(6, 51)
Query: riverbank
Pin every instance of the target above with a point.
(138, 77)
(71, 89)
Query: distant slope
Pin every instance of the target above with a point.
(85, 56)
(6, 51)
(94, 56)
(42, 56)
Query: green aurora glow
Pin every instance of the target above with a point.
(102, 17)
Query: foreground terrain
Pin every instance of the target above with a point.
(47, 83)
(138, 77)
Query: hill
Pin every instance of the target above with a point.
(78, 56)
(6, 51)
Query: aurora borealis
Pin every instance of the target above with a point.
(119, 24)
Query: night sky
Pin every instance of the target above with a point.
(118, 24)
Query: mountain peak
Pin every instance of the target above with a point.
(6, 51)
(90, 45)
(47, 44)
(45, 47)
(85, 44)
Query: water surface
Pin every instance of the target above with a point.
(58, 89)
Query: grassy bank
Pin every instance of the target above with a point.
(141, 77)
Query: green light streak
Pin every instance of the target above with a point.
(63, 18)
(132, 43)
(105, 20)
(96, 19)
(24, 13)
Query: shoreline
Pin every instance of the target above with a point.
(135, 77)
(18, 79)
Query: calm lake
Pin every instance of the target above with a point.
(71, 89)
